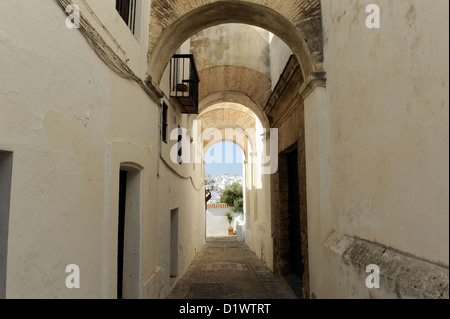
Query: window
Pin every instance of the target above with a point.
(129, 11)
(164, 122)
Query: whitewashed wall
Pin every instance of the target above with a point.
(217, 223)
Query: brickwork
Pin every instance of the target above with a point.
(235, 78)
(297, 22)
(286, 111)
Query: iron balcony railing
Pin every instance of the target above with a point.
(184, 82)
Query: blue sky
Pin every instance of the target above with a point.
(224, 158)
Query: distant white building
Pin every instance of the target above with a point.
(220, 183)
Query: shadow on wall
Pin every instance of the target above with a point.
(217, 223)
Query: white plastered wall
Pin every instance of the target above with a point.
(71, 123)
(386, 103)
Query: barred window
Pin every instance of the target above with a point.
(127, 10)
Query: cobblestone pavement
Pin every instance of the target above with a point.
(227, 269)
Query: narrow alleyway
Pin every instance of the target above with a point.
(227, 269)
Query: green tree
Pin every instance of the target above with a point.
(233, 196)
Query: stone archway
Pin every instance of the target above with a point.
(297, 22)
(224, 116)
(234, 97)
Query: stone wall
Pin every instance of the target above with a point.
(401, 276)
(285, 109)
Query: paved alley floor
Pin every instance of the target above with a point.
(227, 269)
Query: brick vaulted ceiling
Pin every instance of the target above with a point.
(224, 116)
(297, 22)
(250, 82)
(246, 74)
(229, 114)
(234, 68)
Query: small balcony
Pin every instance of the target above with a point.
(184, 81)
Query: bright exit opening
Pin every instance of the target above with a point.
(225, 180)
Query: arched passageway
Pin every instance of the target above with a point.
(225, 172)
(231, 89)
(237, 124)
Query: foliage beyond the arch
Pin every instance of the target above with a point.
(233, 196)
